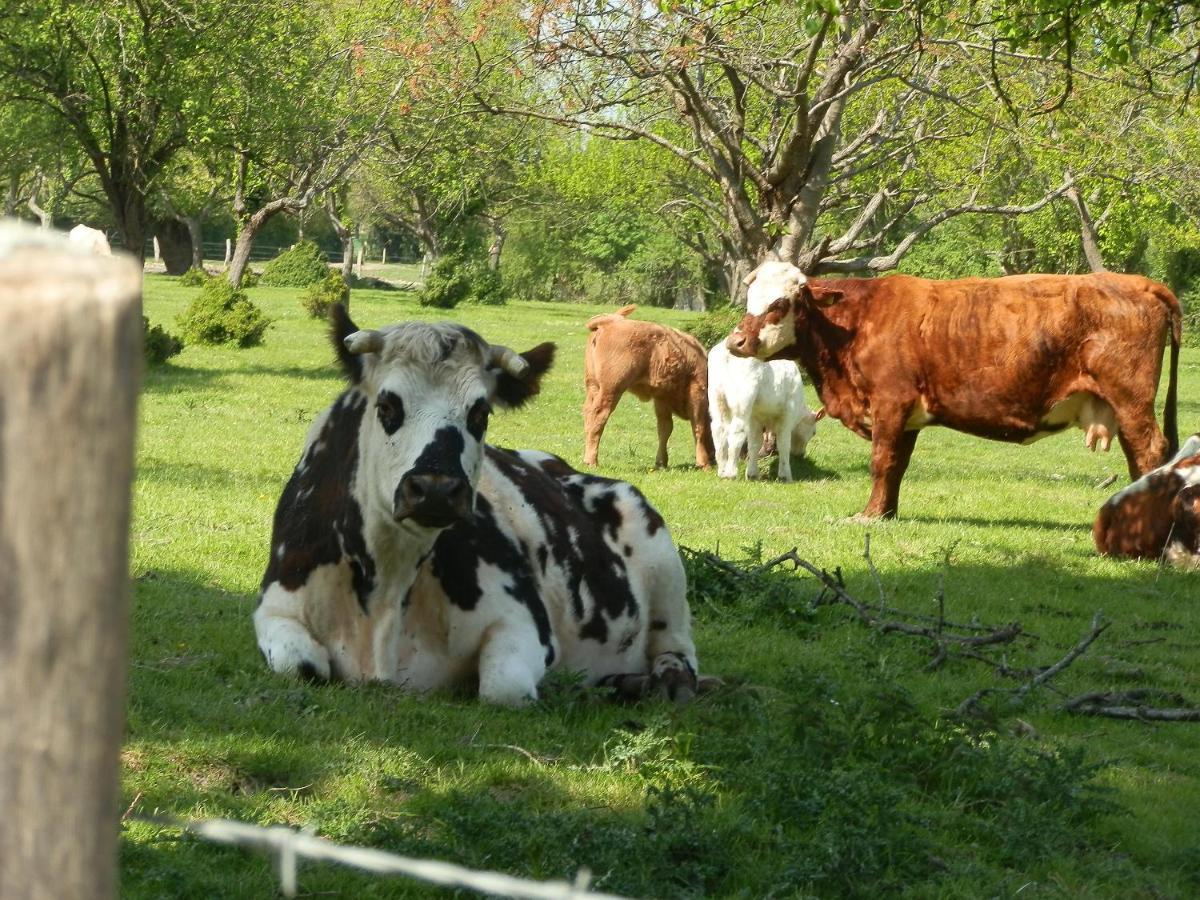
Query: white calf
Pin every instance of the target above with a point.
(746, 396)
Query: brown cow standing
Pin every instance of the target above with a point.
(1012, 359)
(1157, 515)
(653, 362)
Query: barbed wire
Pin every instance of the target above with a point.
(290, 846)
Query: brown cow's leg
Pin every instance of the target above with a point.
(596, 410)
(1142, 440)
(702, 432)
(662, 410)
(891, 449)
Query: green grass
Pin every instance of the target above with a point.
(829, 765)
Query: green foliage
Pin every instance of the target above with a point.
(715, 325)
(322, 295)
(456, 279)
(299, 266)
(223, 314)
(157, 344)
(194, 277)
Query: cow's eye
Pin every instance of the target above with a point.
(390, 410)
(477, 418)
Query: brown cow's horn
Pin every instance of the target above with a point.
(367, 341)
(508, 360)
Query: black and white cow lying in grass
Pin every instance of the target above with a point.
(406, 549)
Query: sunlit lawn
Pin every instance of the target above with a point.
(654, 800)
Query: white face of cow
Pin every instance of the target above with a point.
(430, 389)
(772, 281)
(769, 326)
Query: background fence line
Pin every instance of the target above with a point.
(290, 846)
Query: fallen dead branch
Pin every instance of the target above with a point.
(886, 619)
(1116, 705)
(948, 640)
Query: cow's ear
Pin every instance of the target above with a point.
(512, 391)
(341, 327)
(822, 296)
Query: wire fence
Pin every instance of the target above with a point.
(263, 252)
(289, 847)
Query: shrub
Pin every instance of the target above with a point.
(715, 324)
(194, 277)
(250, 278)
(157, 345)
(322, 295)
(298, 266)
(447, 285)
(456, 280)
(223, 314)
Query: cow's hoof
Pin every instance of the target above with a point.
(673, 678)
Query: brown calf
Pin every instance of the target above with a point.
(1157, 515)
(1012, 359)
(652, 362)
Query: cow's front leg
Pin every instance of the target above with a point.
(891, 449)
(512, 662)
(286, 643)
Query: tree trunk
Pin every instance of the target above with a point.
(44, 216)
(195, 229)
(1087, 231)
(10, 198)
(249, 231)
(70, 358)
(344, 233)
(497, 245)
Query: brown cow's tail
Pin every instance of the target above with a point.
(1170, 421)
(596, 321)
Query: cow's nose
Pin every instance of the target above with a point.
(736, 343)
(434, 501)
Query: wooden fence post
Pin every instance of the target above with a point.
(70, 365)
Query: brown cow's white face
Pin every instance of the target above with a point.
(769, 326)
(430, 390)
(772, 281)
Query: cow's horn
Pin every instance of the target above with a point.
(367, 341)
(508, 360)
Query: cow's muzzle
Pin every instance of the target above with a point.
(740, 344)
(433, 501)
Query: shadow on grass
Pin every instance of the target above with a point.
(212, 732)
(979, 522)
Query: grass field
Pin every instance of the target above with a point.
(828, 766)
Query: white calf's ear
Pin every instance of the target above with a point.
(366, 341)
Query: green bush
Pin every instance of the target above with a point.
(223, 314)
(299, 266)
(456, 280)
(322, 295)
(250, 278)
(715, 325)
(487, 288)
(158, 345)
(1191, 318)
(194, 277)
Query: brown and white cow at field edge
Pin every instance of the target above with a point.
(652, 362)
(406, 549)
(1012, 359)
(92, 240)
(1158, 515)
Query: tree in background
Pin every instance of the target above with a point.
(127, 81)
